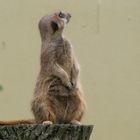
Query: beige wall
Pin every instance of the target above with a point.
(106, 36)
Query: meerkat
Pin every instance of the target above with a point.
(58, 97)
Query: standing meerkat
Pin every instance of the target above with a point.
(58, 97)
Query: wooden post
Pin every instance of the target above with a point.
(45, 132)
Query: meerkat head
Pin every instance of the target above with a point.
(53, 23)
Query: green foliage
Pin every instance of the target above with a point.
(1, 87)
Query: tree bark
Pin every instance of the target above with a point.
(45, 132)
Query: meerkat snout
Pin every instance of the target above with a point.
(64, 16)
(68, 17)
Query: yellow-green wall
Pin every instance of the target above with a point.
(106, 37)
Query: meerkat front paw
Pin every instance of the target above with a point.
(69, 85)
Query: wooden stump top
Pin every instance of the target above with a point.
(45, 132)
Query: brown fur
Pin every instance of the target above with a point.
(58, 97)
(12, 122)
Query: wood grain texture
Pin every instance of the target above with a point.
(45, 132)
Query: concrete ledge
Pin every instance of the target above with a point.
(45, 132)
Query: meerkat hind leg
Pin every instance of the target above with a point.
(47, 122)
(75, 122)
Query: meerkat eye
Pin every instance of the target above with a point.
(61, 15)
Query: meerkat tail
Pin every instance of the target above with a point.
(14, 122)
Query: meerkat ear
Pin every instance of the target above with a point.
(55, 26)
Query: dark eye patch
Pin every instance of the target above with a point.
(61, 15)
(54, 26)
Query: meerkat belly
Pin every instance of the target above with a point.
(67, 108)
(64, 104)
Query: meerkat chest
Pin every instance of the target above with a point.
(64, 55)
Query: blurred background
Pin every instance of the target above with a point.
(106, 39)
